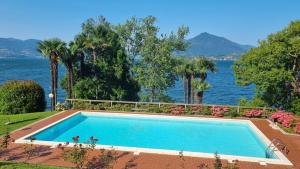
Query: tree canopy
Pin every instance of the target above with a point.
(151, 54)
(103, 68)
(274, 67)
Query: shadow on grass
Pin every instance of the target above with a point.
(22, 121)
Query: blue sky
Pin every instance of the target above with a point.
(242, 21)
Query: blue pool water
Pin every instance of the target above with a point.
(209, 136)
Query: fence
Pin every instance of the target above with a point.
(161, 107)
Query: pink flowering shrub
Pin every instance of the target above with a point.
(254, 113)
(297, 128)
(218, 111)
(284, 118)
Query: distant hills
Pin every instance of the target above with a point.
(10, 47)
(204, 44)
(216, 47)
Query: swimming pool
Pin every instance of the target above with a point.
(232, 139)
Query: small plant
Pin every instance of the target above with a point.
(78, 154)
(203, 166)
(61, 106)
(182, 160)
(105, 160)
(233, 166)
(218, 162)
(5, 140)
(29, 149)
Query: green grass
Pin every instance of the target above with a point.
(20, 120)
(10, 165)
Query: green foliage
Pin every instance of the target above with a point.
(155, 67)
(106, 73)
(255, 102)
(52, 49)
(295, 106)
(5, 140)
(194, 73)
(274, 68)
(21, 97)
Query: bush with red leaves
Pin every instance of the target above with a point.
(254, 113)
(284, 118)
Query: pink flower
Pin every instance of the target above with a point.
(254, 113)
(225, 109)
(284, 118)
(75, 139)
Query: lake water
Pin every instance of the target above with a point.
(223, 90)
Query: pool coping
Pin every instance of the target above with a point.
(283, 160)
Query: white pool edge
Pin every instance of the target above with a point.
(281, 161)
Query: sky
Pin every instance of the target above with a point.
(242, 21)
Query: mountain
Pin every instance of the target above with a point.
(10, 47)
(206, 44)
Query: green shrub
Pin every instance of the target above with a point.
(21, 96)
(295, 106)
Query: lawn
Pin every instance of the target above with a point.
(10, 165)
(20, 120)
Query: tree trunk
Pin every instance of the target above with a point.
(189, 89)
(184, 88)
(192, 89)
(55, 81)
(152, 97)
(200, 97)
(94, 56)
(52, 81)
(70, 80)
(81, 65)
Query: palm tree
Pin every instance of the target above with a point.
(202, 67)
(78, 44)
(94, 33)
(68, 58)
(52, 49)
(184, 69)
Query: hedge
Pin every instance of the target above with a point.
(21, 96)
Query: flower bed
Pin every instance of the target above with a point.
(219, 111)
(286, 121)
(254, 113)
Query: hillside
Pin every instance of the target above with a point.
(10, 47)
(214, 46)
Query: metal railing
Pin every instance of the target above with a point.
(136, 105)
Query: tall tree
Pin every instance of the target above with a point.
(202, 66)
(274, 68)
(52, 49)
(105, 63)
(68, 58)
(184, 69)
(151, 54)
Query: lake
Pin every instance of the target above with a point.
(223, 88)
